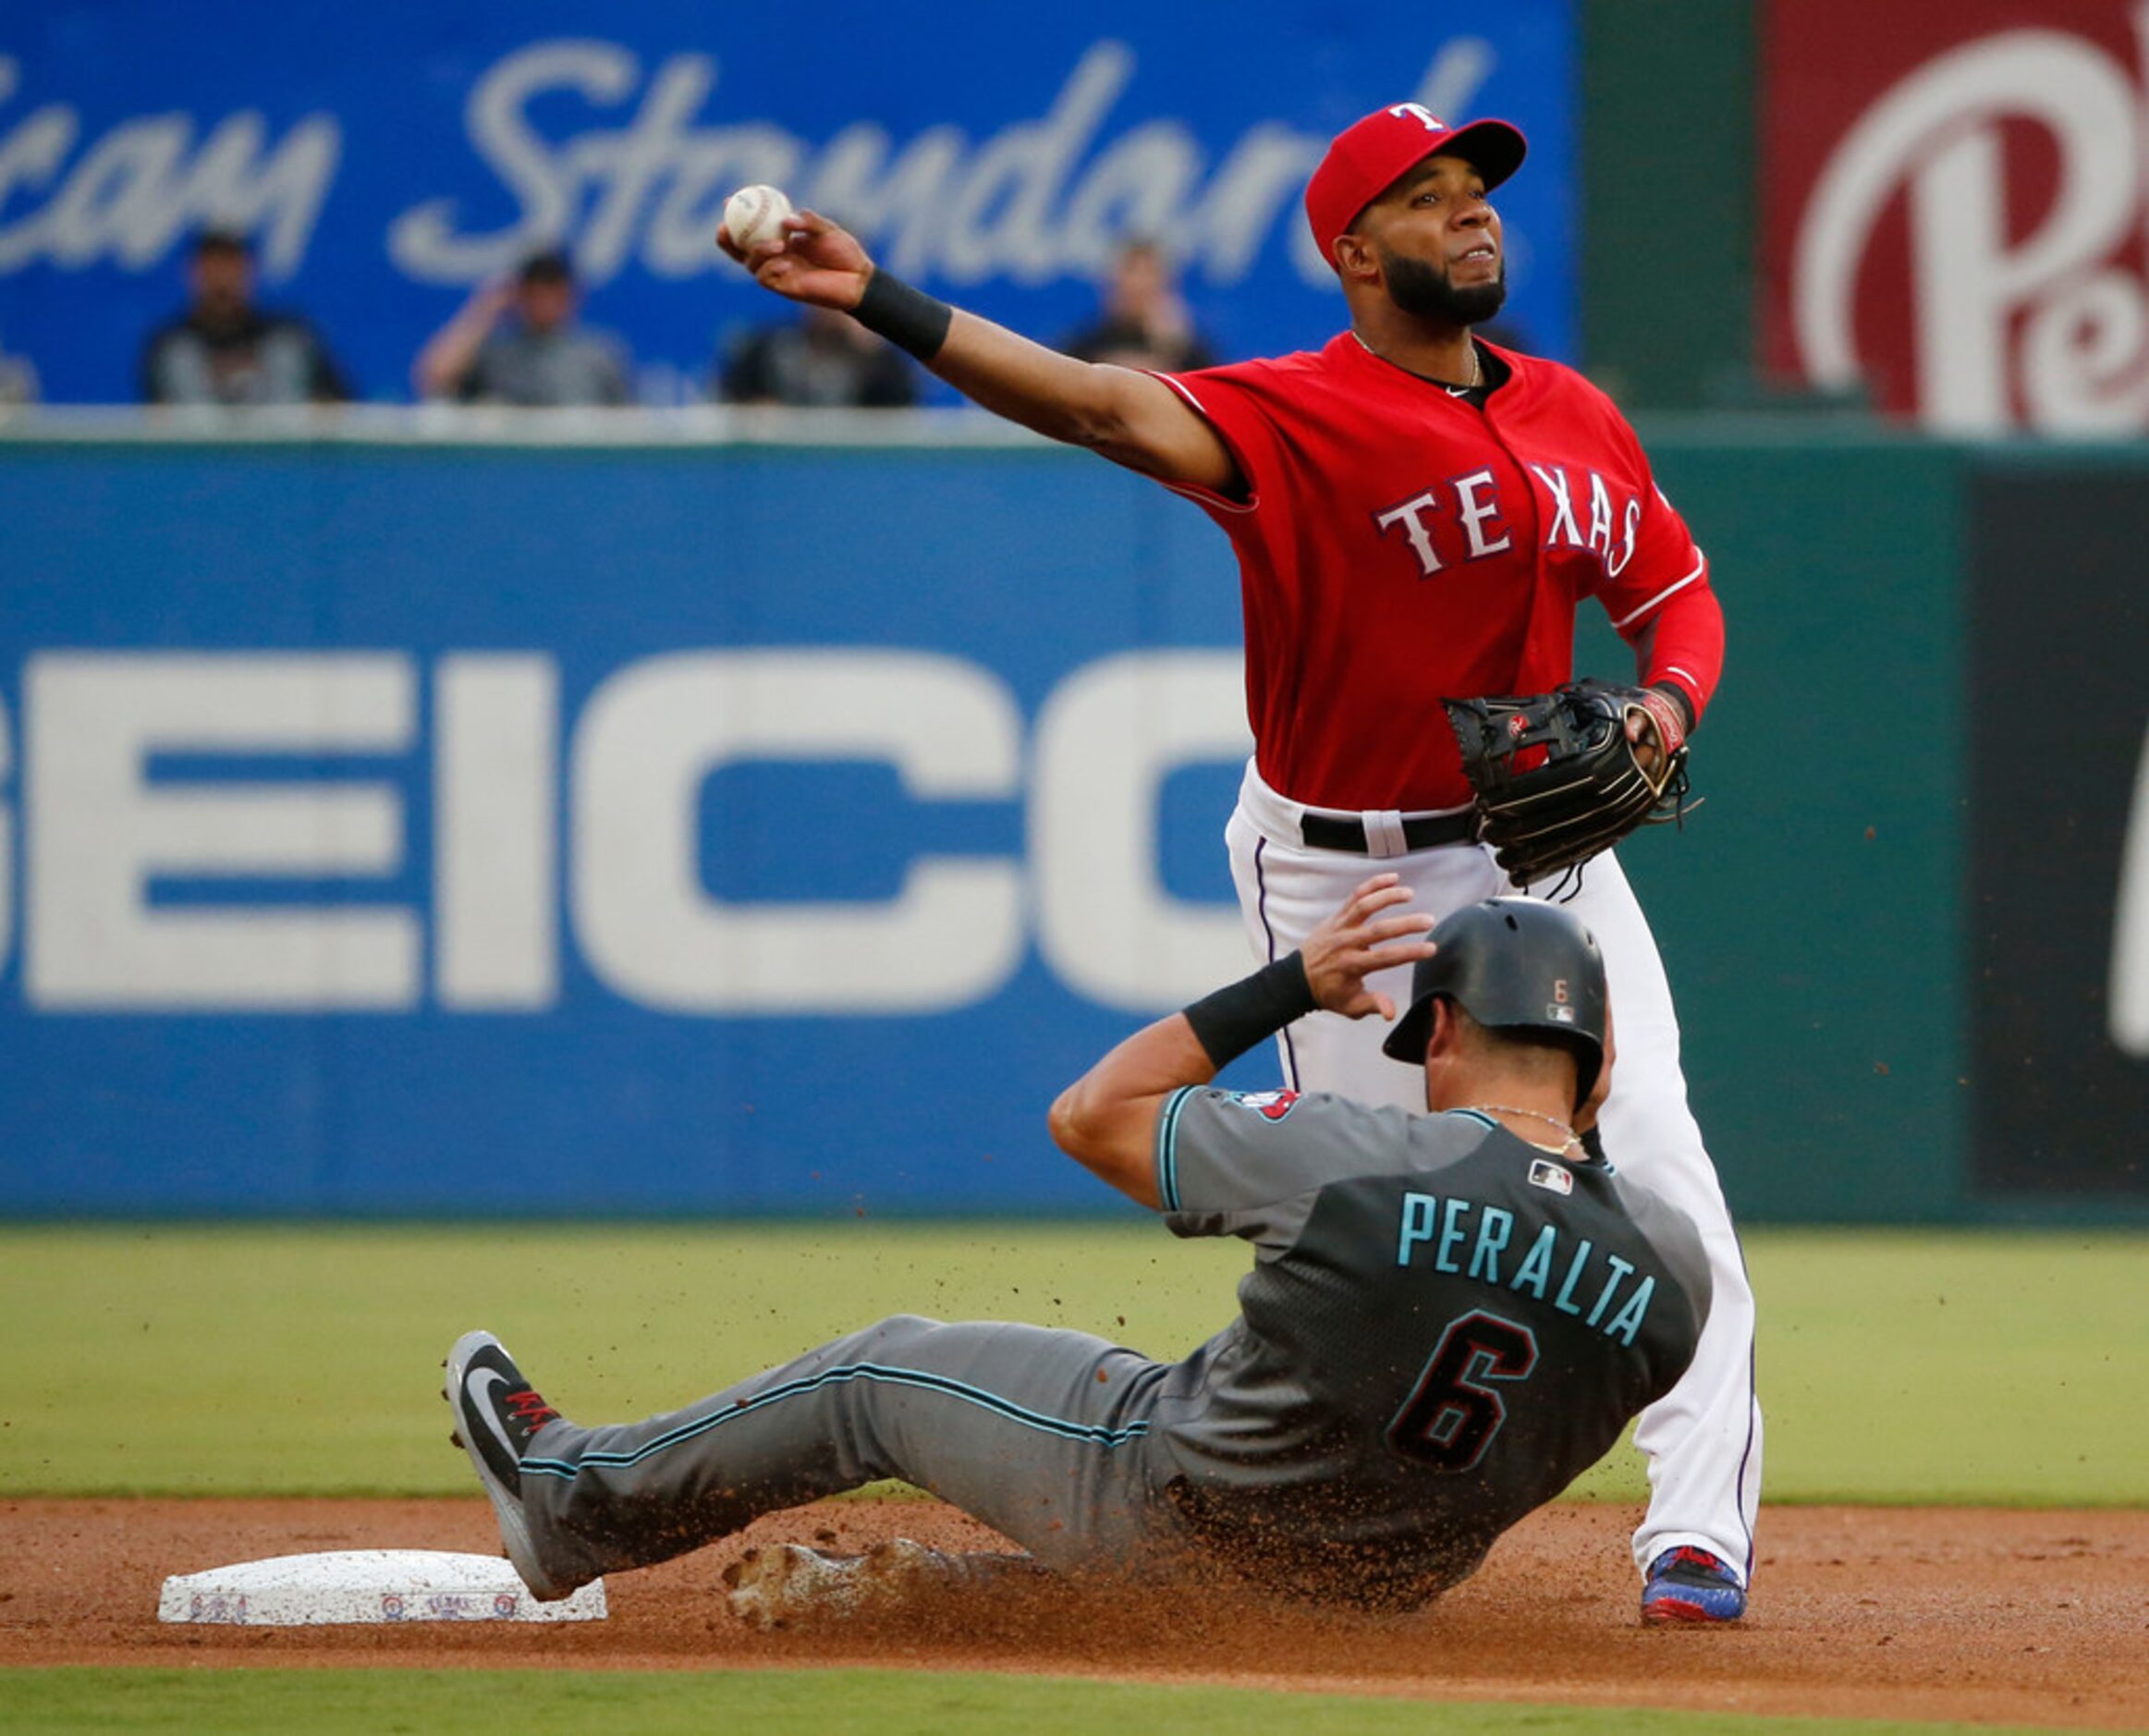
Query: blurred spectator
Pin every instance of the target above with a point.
(539, 358)
(224, 349)
(1144, 323)
(827, 359)
(18, 380)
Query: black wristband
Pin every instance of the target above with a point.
(1233, 1020)
(908, 318)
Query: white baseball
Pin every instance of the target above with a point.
(754, 215)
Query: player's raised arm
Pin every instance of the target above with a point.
(1131, 418)
(1106, 1119)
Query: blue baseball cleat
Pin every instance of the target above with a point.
(1691, 1585)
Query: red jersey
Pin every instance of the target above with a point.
(1398, 545)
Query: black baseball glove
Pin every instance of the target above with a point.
(1557, 778)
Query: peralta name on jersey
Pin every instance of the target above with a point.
(1582, 1281)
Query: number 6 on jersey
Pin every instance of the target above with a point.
(1449, 1419)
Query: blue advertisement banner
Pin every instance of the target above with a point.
(400, 829)
(387, 161)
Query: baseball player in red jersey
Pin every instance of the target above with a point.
(1417, 514)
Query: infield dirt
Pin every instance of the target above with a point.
(2030, 1617)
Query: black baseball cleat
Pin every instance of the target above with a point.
(497, 1415)
(1688, 1585)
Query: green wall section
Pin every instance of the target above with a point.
(1809, 914)
(1667, 183)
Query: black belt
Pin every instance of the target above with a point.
(1421, 831)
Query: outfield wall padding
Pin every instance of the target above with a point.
(392, 830)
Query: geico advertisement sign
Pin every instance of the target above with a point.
(98, 825)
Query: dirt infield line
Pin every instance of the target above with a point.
(2029, 1617)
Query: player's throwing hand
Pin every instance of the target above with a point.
(817, 261)
(1358, 940)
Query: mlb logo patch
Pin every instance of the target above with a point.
(1554, 1178)
(1273, 1105)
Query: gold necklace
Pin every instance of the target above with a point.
(1477, 368)
(1534, 1114)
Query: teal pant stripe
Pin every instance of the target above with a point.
(1094, 1433)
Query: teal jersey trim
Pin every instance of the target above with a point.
(1167, 1149)
(1093, 1433)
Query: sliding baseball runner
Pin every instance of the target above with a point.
(1451, 1315)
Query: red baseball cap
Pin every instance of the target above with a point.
(1367, 156)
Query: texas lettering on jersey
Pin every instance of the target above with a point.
(1468, 513)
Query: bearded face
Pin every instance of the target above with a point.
(1430, 293)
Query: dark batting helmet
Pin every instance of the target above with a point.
(1513, 964)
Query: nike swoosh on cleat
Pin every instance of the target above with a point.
(479, 1387)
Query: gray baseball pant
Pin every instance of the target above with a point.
(1044, 1436)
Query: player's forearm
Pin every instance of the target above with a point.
(1117, 413)
(1683, 647)
(1124, 415)
(1106, 1119)
(1152, 1064)
(1012, 376)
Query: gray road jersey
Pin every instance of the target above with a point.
(1443, 1329)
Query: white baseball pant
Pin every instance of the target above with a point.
(1702, 1439)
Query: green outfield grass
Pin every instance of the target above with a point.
(829, 1703)
(2002, 1368)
